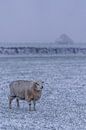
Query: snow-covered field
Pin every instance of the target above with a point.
(63, 102)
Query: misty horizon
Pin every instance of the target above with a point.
(42, 21)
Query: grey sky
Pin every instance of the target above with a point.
(42, 20)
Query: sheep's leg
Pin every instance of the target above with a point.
(34, 104)
(10, 101)
(29, 105)
(17, 101)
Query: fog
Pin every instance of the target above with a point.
(42, 20)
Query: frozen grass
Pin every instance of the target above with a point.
(63, 103)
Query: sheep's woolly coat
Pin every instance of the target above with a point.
(25, 90)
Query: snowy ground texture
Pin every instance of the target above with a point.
(63, 102)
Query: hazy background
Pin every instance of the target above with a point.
(42, 20)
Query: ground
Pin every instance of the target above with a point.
(63, 102)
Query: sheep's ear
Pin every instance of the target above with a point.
(36, 83)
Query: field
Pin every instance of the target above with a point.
(63, 102)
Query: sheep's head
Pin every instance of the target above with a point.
(38, 86)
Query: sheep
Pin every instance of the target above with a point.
(25, 90)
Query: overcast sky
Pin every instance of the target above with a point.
(42, 20)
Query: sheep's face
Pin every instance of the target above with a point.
(39, 86)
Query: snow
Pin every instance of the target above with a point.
(63, 102)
